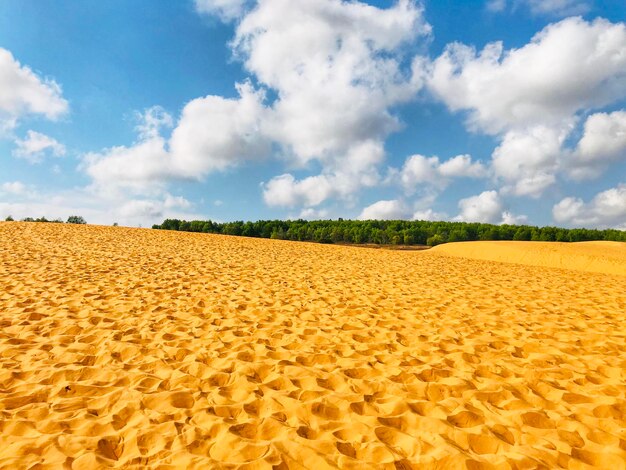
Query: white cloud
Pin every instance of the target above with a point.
(385, 210)
(152, 122)
(152, 209)
(36, 146)
(310, 213)
(23, 92)
(336, 68)
(462, 166)
(420, 172)
(171, 202)
(142, 167)
(603, 142)
(212, 134)
(567, 67)
(395, 209)
(13, 187)
(343, 179)
(558, 7)
(286, 191)
(429, 214)
(531, 99)
(227, 10)
(418, 169)
(606, 209)
(216, 133)
(485, 207)
(18, 191)
(96, 208)
(509, 218)
(527, 160)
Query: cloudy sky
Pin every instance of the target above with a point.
(497, 111)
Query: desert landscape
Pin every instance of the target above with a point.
(143, 348)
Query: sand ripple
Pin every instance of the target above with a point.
(127, 347)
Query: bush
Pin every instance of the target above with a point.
(9, 219)
(76, 219)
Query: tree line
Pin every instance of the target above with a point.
(72, 219)
(388, 232)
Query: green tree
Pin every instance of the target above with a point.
(522, 234)
(435, 240)
(76, 219)
(458, 235)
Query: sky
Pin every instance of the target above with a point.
(497, 111)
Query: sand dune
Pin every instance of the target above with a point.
(139, 348)
(598, 256)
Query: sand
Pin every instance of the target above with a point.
(150, 349)
(600, 257)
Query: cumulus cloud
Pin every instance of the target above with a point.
(606, 209)
(419, 170)
(23, 92)
(462, 166)
(509, 218)
(603, 142)
(567, 67)
(216, 133)
(385, 210)
(336, 68)
(286, 191)
(141, 167)
(36, 146)
(342, 179)
(527, 160)
(486, 207)
(226, 10)
(531, 100)
(212, 134)
(430, 215)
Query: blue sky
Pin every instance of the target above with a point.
(495, 111)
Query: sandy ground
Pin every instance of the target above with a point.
(600, 257)
(128, 347)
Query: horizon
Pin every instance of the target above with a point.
(494, 111)
(72, 220)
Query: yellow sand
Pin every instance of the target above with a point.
(141, 348)
(600, 257)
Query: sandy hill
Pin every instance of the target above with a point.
(598, 256)
(132, 348)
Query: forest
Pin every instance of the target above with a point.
(389, 232)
